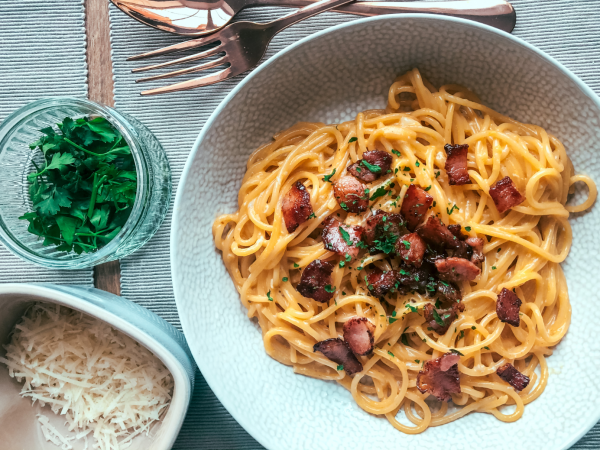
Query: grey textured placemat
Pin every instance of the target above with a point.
(567, 30)
(42, 54)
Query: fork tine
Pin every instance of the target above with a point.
(202, 55)
(201, 67)
(191, 84)
(193, 43)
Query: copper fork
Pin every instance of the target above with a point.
(244, 44)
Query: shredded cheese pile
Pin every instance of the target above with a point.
(100, 380)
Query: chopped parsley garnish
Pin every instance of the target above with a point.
(346, 236)
(285, 279)
(344, 206)
(462, 334)
(411, 307)
(391, 354)
(499, 248)
(84, 193)
(330, 289)
(396, 152)
(406, 244)
(386, 244)
(296, 265)
(417, 164)
(428, 188)
(437, 174)
(373, 168)
(434, 203)
(467, 228)
(451, 210)
(394, 313)
(486, 347)
(359, 268)
(391, 319)
(380, 192)
(404, 339)
(343, 293)
(493, 267)
(327, 178)
(406, 169)
(418, 361)
(312, 215)
(438, 319)
(269, 296)
(352, 139)
(340, 367)
(348, 257)
(473, 327)
(342, 264)
(453, 350)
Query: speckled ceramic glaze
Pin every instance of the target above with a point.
(329, 77)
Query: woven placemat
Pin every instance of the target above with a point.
(42, 54)
(568, 30)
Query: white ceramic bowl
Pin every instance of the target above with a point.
(20, 428)
(330, 76)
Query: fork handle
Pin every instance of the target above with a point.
(307, 11)
(497, 13)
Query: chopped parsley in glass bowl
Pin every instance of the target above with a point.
(82, 184)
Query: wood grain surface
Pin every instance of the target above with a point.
(100, 89)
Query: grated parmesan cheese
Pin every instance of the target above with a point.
(103, 382)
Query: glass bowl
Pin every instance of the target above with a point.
(17, 161)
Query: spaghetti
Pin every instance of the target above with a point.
(522, 252)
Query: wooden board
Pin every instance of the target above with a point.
(100, 89)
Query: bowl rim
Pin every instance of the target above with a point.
(121, 123)
(182, 391)
(586, 425)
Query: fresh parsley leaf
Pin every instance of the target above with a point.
(438, 319)
(380, 192)
(285, 279)
(372, 167)
(346, 236)
(391, 320)
(417, 164)
(493, 267)
(296, 266)
(406, 244)
(352, 139)
(341, 264)
(453, 350)
(340, 367)
(428, 188)
(467, 228)
(330, 289)
(269, 296)
(391, 354)
(327, 178)
(396, 152)
(486, 347)
(404, 339)
(411, 307)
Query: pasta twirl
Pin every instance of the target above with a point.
(523, 249)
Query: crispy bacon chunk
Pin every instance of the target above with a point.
(411, 249)
(339, 352)
(507, 307)
(415, 205)
(449, 293)
(439, 377)
(439, 319)
(380, 283)
(505, 194)
(358, 333)
(382, 231)
(418, 279)
(342, 242)
(372, 165)
(476, 245)
(434, 232)
(456, 163)
(350, 194)
(315, 277)
(457, 269)
(296, 207)
(513, 377)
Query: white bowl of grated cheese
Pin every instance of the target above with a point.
(119, 347)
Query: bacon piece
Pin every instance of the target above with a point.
(476, 245)
(456, 230)
(447, 316)
(513, 377)
(358, 333)
(334, 240)
(379, 161)
(411, 249)
(415, 205)
(296, 207)
(380, 283)
(384, 228)
(432, 254)
(507, 307)
(457, 269)
(456, 164)
(314, 278)
(434, 232)
(449, 293)
(339, 352)
(440, 377)
(418, 279)
(505, 194)
(350, 194)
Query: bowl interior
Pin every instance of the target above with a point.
(20, 426)
(329, 77)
